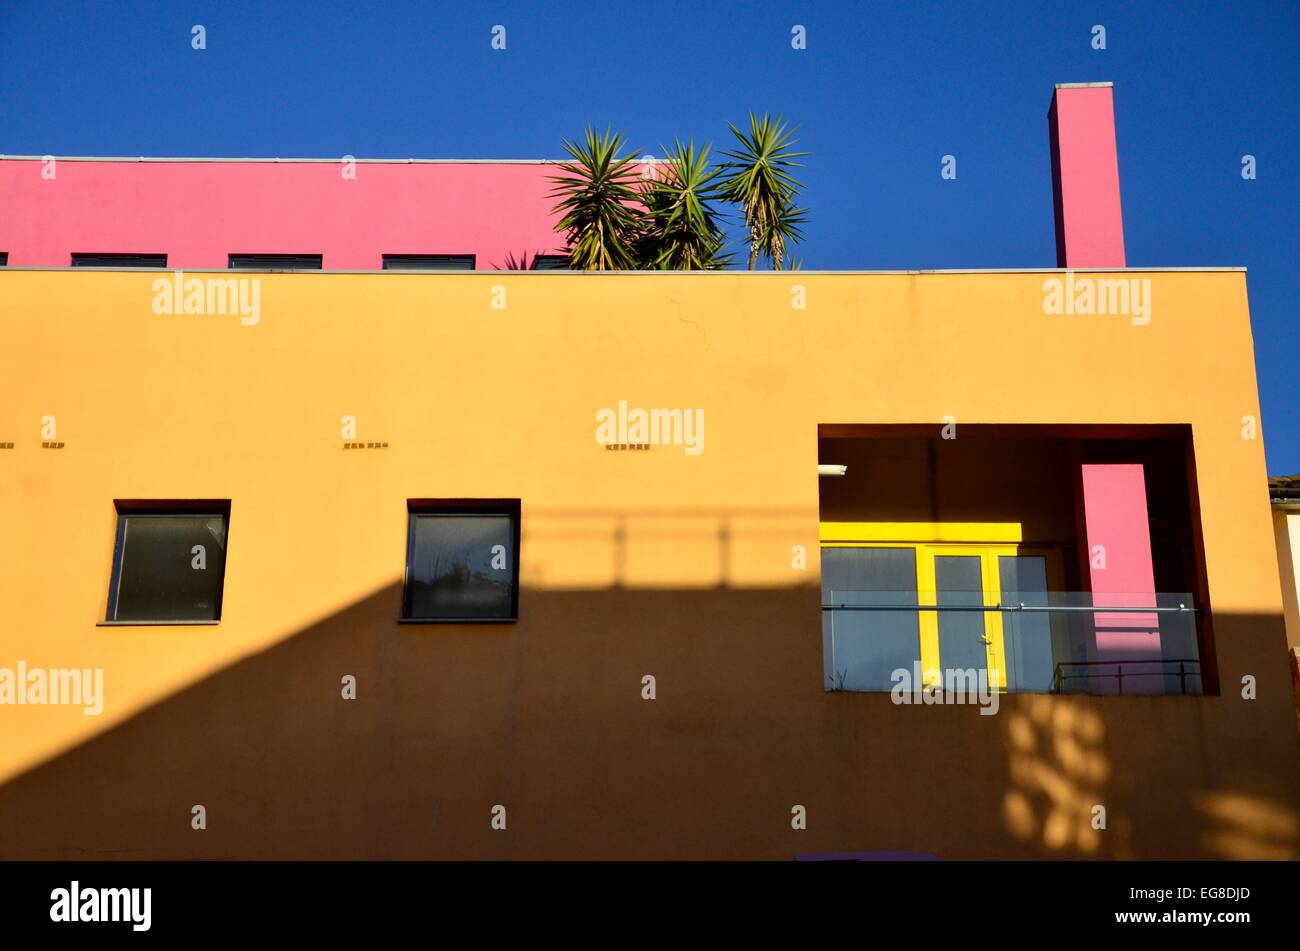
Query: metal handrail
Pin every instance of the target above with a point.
(1059, 677)
(1028, 608)
(1114, 663)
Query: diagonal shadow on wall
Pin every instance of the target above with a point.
(546, 717)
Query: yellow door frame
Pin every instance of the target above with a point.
(988, 541)
(990, 584)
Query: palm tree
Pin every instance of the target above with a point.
(682, 231)
(597, 198)
(760, 181)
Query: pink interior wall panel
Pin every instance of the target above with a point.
(1121, 572)
(199, 212)
(1085, 177)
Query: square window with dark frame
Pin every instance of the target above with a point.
(462, 561)
(551, 262)
(169, 562)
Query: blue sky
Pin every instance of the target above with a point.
(881, 92)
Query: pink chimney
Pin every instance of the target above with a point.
(1085, 176)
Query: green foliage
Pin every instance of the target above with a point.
(668, 219)
(523, 261)
(682, 230)
(597, 203)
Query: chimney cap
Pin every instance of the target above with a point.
(1081, 85)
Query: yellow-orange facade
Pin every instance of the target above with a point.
(698, 569)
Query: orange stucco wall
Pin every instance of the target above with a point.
(633, 563)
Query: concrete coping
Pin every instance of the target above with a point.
(562, 272)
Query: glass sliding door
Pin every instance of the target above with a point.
(963, 637)
(957, 636)
(1031, 655)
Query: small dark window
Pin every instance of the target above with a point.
(429, 262)
(275, 262)
(4, 258)
(462, 561)
(119, 260)
(551, 262)
(169, 562)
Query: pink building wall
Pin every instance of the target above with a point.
(199, 212)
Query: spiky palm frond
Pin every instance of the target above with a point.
(781, 231)
(683, 231)
(522, 261)
(597, 202)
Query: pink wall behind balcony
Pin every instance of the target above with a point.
(199, 212)
(1122, 573)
